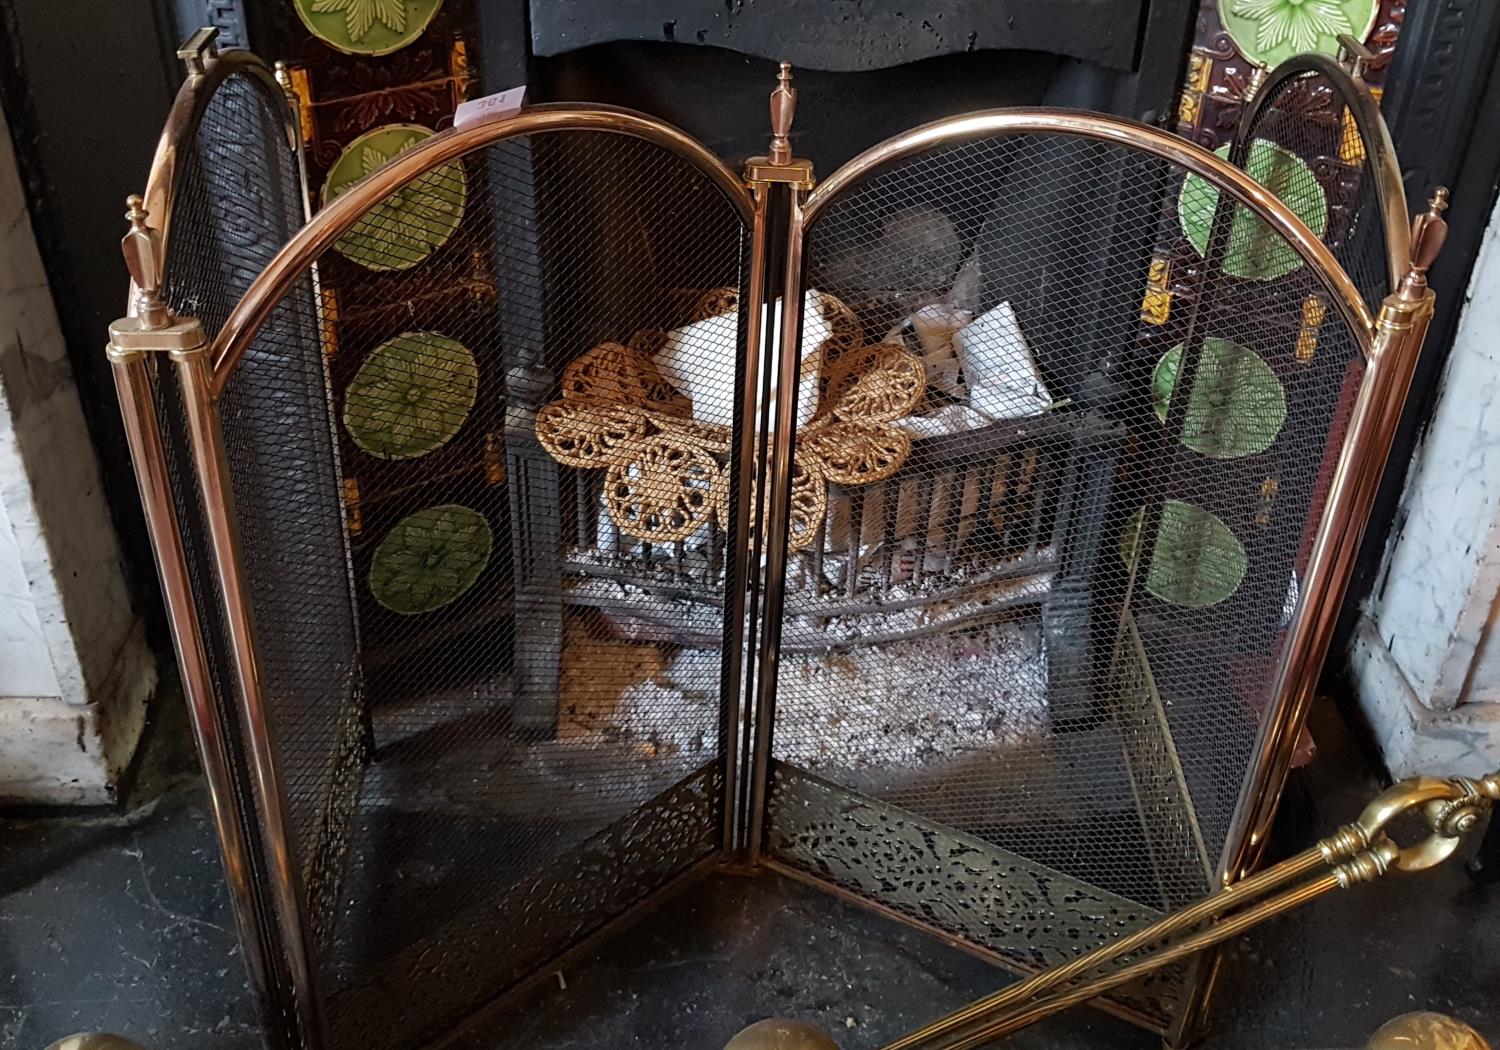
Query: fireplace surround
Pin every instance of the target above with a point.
(960, 533)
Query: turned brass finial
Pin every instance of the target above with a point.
(284, 80)
(1427, 1031)
(141, 247)
(1256, 81)
(783, 109)
(1429, 231)
(135, 211)
(779, 166)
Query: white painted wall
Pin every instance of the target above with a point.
(1426, 657)
(75, 672)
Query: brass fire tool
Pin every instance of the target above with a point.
(1360, 852)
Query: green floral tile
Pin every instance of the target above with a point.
(1268, 32)
(411, 395)
(1197, 561)
(430, 558)
(1256, 250)
(367, 27)
(1237, 406)
(408, 226)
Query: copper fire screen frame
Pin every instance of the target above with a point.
(286, 863)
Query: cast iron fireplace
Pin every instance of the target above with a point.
(959, 533)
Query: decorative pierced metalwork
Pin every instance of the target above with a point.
(1026, 915)
(515, 932)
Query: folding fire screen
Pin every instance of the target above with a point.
(557, 517)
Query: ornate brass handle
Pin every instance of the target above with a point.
(1451, 808)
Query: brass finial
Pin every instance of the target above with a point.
(299, 131)
(1253, 85)
(94, 1041)
(779, 166)
(783, 109)
(135, 211)
(1429, 231)
(141, 247)
(284, 79)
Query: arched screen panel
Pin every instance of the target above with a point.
(527, 733)
(1314, 136)
(1046, 541)
(225, 194)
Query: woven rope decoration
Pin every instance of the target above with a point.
(611, 374)
(879, 383)
(845, 331)
(668, 473)
(858, 453)
(587, 435)
(666, 490)
(809, 505)
(714, 303)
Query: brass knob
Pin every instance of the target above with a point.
(94, 1041)
(1426, 1031)
(779, 1034)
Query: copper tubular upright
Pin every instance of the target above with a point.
(138, 346)
(739, 608)
(1399, 330)
(1398, 333)
(214, 482)
(778, 539)
(149, 323)
(147, 454)
(783, 180)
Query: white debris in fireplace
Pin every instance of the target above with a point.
(985, 365)
(879, 711)
(890, 709)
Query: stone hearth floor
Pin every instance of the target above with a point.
(120, 922)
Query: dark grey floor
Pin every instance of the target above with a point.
(119, 922)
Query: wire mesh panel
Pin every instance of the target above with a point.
(1043, 560)
(1313, 137)
(228, 201)
(525, 360)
